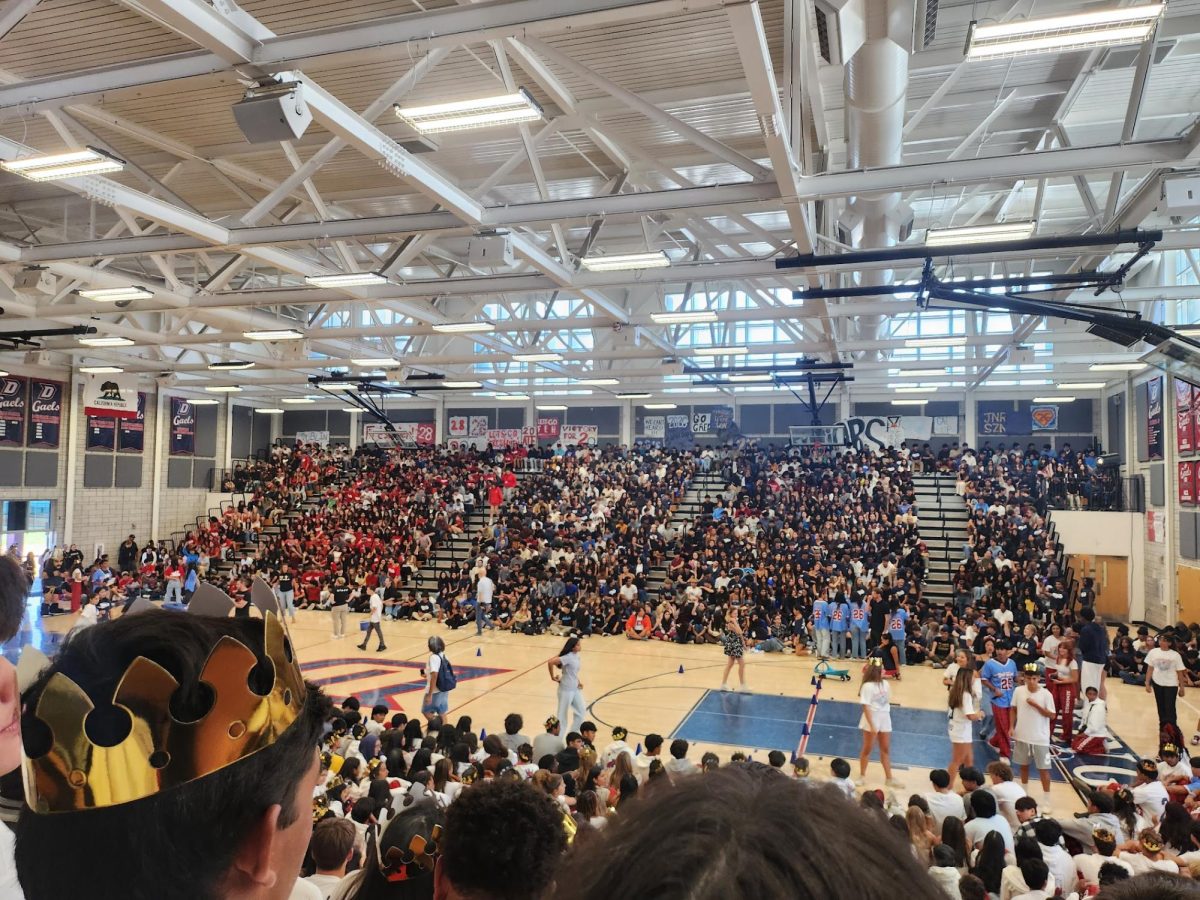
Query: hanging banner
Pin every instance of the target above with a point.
(945, 425)
(1195, 418)
(1184, 415)
(101, 433)
(12, 411)
(403, 434)
(547, 428)
(1156, 527)
(1154, 417)
(879, 432)
(579, 435)
(994, 422)
(131, 433)
(654, 426)
(457, 426)
(500, 438)
(529, 435)
(1043, 418)
(45, 414)
(183, 427)
(1187, 482)
(110, 395)
(478, 426)
(320, 438)
(679, 433)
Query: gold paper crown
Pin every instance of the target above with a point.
(161, 752)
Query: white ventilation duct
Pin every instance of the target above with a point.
(876, 85)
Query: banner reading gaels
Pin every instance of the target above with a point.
(1154, 417)
(1187, 482)
(45, 414)
(131, 433)
(12, 411)
(1184, 413)
(183, 427)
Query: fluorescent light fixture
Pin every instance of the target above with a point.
(105, 342)
(635, 395)
(1080, 385)
(909, 402)
(1099, 28)
(203, 401)
(661, 406)
(980, 234)
(464, 328)
(100, 370)
(269, 410)
(279, 334)
(683, 318)
(338, 385)
(752, 376)
(1188, 330)
(371, 361)
(598, 382)
(1066, 398)
(345, 279)
(116, 295)
(936, 342)
(64, 165)
(223, 389)
(918, 373)
(461, 384)
(554, 407)
(537, 357)
(298, 400)
(624, 262)
(351, 409)
(716, 351)
(512, 396)
(907, 389)
(483, 112)
(233, 365)
(1117, 367)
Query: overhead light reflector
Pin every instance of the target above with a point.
(980, 234)
(223, 389)
(914, 390)
(279, 334)
(661, 406)
(298, 400)
(345, 279)
(64, 165)
(1117, 367)
(370, 361)
(483, 112)
(204, 401)
(919, 373)
(512, 396)
(233, 365)
(909, 402)
(462, 384)
(554, 407)
(1080, 385)
(752, 376)
(1099, 28)
(105, 342)
(624, 262)
(351, 409)
(337, 385)
(683, 318)
(116, 295)
(537, 357)
(101, 370)
(1066, 398)
(269, 410)
(936, 342)
(464, 327)
(717, 351)
(598, 382)
(634, 395)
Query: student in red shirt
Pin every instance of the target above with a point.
(174, 575)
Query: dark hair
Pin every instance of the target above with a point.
(570, 646)
(840, 768)
(776, 758)
(1026, 848)
(513, 723)
(746, 831)
(970, 887)
(519, 866)
(1035, 872)
(379, 709)
(970, 773)
(587, 726)
(983, 804)
(710, 760)
(954, 834)
(679, 748)
(939, 778)
(627, 789)
(1111, 873)
(233, 798)
(1023, 804)
(1048, 833)
(989, 864)
(14, 588)
(418, 819)
(945, 856)
(653, 742)
(1152, 886)
(1175, 827)
(331, 843)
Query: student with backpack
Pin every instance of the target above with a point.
(440, 680)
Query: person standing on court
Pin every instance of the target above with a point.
(339, 606)
(440, 680)
(570, 688)
(898, 629)
(820, 624)
(1165, 673)
(734, 644)
(1093, 650)
(876, 722)
(285, 590)
(485, 588)
(374, 621)
(999, 677)
(1032, 712)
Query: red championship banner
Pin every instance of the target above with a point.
(1185, 415)
(1187, 482)
(547, 428)
(1195, 417)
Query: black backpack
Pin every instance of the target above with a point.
(446, 679)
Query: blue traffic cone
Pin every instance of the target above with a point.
(638, 751)
(681, 670)
(479, 651)
(482, 733)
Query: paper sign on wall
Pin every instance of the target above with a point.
(478, 426)
(579, 435)
(457, 426)
(654, 426)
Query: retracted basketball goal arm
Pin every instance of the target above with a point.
(804, 372)
(360, 395)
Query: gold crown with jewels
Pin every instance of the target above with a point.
(160, 751)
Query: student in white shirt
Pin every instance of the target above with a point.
(375, 604)
(1033, 711)
(1093, 732)
(1006, 791)
(876, 721)
(1149, 793)
(331, 847)
(1165, 673)
(943, 802)
(987, 819)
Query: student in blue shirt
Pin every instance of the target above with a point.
(898, 628)
(839, 623)
(820, 620)
(999, 679)
(860, 624)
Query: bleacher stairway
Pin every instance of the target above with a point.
(705, 486)
(942, 522)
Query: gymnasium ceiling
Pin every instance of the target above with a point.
(669, 125)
